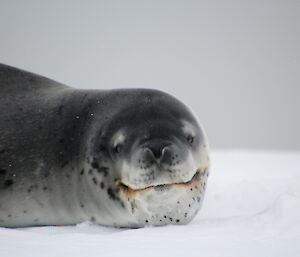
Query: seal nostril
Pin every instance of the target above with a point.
(157, 150)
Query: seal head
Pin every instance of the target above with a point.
(158, 158)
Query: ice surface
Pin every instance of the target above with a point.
(252, 208)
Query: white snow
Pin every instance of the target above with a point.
(251, 208)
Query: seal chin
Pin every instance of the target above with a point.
(162, 204)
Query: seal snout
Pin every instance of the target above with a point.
(157, 148)
(158, 151)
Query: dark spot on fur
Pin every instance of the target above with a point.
(2, 151)
(32, 187)
(100, 148)
(25, 211)
(165, 217)
(185, 214)
(9, 215)
(81, 172)
(191, 189)
(94, 164)
(45, 188)
(2, 172)
(111, 194)
(95, 181)
(146, 221)
(93, 219)
(62, 140)
(90, 171)
(189, 206)
(198, 199)
(46, 174)
(103, 170)
(177, 220)
(8, 183)
(132, 207)
(60, 109)
(82, 205)
(171, 219)
(102, 185)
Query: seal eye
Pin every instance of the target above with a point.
(118, 148)
(190, 139)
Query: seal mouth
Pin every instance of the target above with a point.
(161, 187)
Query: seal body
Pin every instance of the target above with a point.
(126, 157)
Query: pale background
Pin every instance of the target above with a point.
(236, 63)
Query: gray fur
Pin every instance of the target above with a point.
(57, 159)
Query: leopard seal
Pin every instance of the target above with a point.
(123, 157)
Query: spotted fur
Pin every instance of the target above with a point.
(126, 158)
